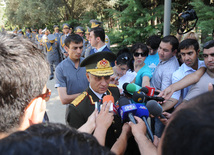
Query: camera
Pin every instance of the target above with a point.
(187, 21)
(189, 15)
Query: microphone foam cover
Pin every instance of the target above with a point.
(125, 85)
(123, 101)
(145, 90)
(108, 98)
(154, 108)
(131, 88)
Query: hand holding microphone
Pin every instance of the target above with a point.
(126, 110)
(155, 108)
(143, 113)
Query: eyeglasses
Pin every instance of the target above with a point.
(142, 54)
(45, 96)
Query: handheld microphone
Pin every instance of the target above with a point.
(108, 98)
(155, 108)
(132, 87)
(141, 97)
(126, 110)
(143, 113)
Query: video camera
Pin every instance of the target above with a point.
(184, 21)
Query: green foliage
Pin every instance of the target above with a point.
(135, 21)
(28, 13)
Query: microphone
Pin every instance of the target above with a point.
(126, 110)
(132, 87)
(108, 98)
(151, 91)
(143, 113)
(155, 108)
(141, 97)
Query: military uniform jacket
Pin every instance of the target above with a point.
(33, 39)
(57, 35)
(83, 106)
(62, 43)
(52, 52)
(28, 35)
(39, 40)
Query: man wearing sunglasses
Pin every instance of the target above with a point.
(23, 75)
(162, 76)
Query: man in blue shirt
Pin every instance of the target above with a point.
(189, 50)
(70, 77)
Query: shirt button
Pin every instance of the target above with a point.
(113, 122)
(115, 131)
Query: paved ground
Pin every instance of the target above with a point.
(55, 110)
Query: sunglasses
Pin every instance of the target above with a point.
(45, 96)
(142, 54)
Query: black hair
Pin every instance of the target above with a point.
(124, 57)
(172, 40)
(51, 138)
(75, 38)
(208, 44)
(153, 41)
(187, 43)
(142, 46)
(99, 32)
(191, 129)
(24, 72)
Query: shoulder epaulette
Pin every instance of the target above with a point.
(112, 85)
(79, 99)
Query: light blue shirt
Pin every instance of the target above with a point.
(144, 71)
(152, 61)
(179, 74)
(162, 76)
(74, 79)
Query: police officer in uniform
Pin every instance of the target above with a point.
(34, 33)
(52, 54)
(65, 28)
(96, 23)
(39, 40)
(87, 43)
(57, 35)
(28, 34)
(81, 32)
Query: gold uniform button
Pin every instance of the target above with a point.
(115, 131)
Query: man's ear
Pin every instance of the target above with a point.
(174, 52)
(98, 39)
(66, 48)
(34, 114)
(87, 75)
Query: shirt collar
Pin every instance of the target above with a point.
(163, 62)
(187, 68)
(97, 94)
(69, 59)
(101, 48)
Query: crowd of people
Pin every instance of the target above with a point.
(87, 72)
